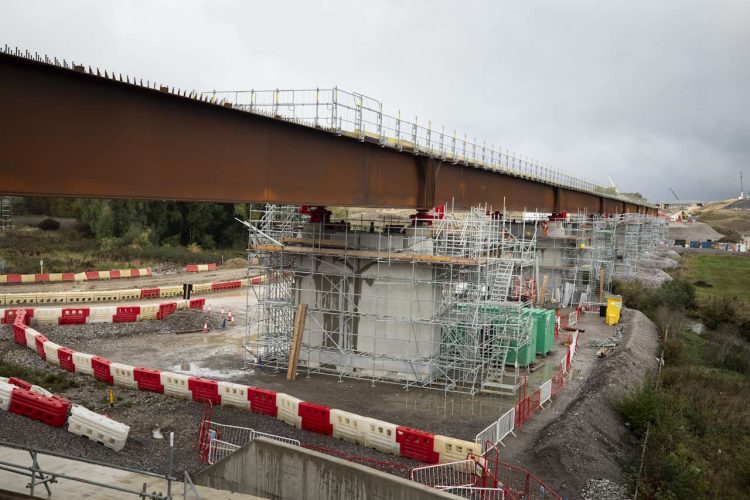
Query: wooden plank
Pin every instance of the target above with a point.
(315, 242)
(543, 291)
(299, 328)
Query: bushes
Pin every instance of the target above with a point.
(640, 407)
(678, 294)
(719, 311)
(48, 225)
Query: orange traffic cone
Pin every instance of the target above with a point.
(205, 327)
(230, 318)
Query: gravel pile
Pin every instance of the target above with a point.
(167, 268)
(603, 489)
(73, 335)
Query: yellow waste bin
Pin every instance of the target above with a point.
(614, 306)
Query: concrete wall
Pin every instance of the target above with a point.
(276, 470)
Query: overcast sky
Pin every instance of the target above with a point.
(651, 93)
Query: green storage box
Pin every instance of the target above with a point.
(545, 327)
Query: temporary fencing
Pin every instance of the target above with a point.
(499, 430)
(528, 404)
(84, 276)
(384, 436)
(216, 441)
(100, 314)
(76, 297)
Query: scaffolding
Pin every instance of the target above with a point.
(435, 303)
(578, 254)
(6, 213)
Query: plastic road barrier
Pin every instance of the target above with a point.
(381, 436)
(204, 389)
(123, 375)
(82, 363)
(416, 444)
(148, 379)
(262, 401)
(455, 450)
(348, 426)
(49, 410)
(175, 385)
(102, 369)
(6, 391)
(288, 409)
(315, 418)
(99, 428)
(234, 395)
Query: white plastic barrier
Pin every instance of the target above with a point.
(381, 436)
(6, 392)
(50, 352)
(31, 338)
(101, 314)
(107, 296)
(175, 385)
(348, 426)
(46, 315)
(82, 363)
(170, 291)
(234, 395)
(454, 450)
(148, 312)
(123, 375)
(99, 428)
(545, 392)
(288, 409)
(40, 390)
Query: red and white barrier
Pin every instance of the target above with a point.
(383, 436)
(83, 276)
(77, 297)
(197, 268)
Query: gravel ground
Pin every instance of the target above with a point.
(142, 411)
(74, 336)
(585, 437)
(603, 489)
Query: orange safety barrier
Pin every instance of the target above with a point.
(73, 316)
(418, 445)
(316, 418)
(150, 293)
(19, 332)
(102, 370)
(226, 285)
(197, 304)
(40, 340)
(65, 356)
(262, 401)
(126, 314)
(18, 382)
(204, 390)
(166, 310)
(49, 410)
(148, 379)
(10, 315)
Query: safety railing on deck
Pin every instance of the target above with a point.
(361, 117)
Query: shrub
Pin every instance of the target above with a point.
(640, 406)
(678, 294)
(83, 230)
(719, 311)
(48, 225)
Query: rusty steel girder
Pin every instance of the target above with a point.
(65, 132)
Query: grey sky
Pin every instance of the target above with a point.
(651, 93)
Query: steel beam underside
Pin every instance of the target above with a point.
(68, 133)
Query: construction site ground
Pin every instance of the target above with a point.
(577, 437)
